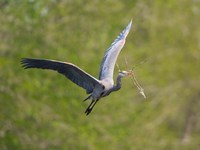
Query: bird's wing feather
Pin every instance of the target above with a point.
(110, 57)
(72, 72)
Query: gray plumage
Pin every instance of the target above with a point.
(97, 88)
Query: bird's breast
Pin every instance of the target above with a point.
(107, 83)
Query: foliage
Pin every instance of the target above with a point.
(42, 110)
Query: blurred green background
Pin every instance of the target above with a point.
(41, 109)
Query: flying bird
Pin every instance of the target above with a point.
(96, 88)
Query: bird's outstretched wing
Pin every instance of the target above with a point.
(72, 72)
(110, 57)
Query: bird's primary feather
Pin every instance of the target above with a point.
(72, 72)
(110, 57)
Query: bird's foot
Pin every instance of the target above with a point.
(90, 107)
(88, 111)
(87, 98)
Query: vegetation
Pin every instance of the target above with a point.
(43, 110)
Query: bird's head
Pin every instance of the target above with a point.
(125, 73)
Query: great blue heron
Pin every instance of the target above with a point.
(97, 88)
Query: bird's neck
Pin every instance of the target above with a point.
(118, 83)
(119, 78)
(115, 87)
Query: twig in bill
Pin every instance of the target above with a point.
(135, 80)
(118, 67)
(137, 84)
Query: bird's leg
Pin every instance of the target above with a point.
(90, 107)
(87, 98)
(93, 105)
